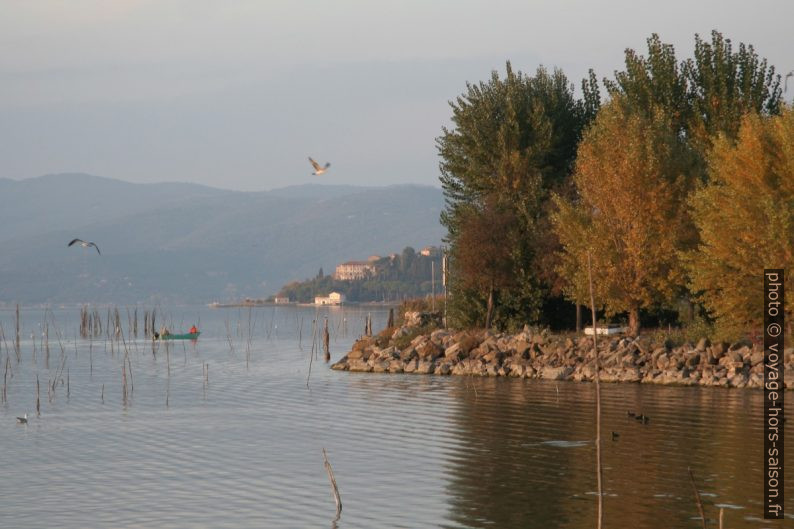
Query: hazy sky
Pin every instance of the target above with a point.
(237, 94)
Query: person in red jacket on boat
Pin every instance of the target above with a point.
(193, 330)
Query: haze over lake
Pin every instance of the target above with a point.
(185, 243)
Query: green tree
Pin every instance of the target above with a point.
(723, 85)
(407, 259)
(745, 215)
(632, 176)
(653, 83)
(514, 140)
(703, 96)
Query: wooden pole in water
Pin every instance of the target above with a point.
(124, 383)
(132, 378)
(300, 334)
(326, 341)
(38, 400)
(697, 499)
(334, 488)
(599, 472)
(17, 330)
(5, 379)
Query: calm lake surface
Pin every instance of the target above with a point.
(242, 446)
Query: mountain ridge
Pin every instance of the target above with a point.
(196, 244)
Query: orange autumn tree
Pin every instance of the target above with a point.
(484, 254)
(745, 216)
(632, 176)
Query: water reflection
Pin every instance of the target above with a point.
(240, 445)
(527, 458)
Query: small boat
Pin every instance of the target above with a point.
(186, 336)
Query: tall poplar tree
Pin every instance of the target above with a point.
(513, 139)
(745, 216)
(632, 174)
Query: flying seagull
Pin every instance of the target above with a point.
(84, 244)
(23, 419)
(318, 169)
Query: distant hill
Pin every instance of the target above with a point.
(33, 206)
(184, 243)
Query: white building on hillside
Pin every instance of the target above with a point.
(353, 270)
(334, 298)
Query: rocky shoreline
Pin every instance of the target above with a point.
(416, 348)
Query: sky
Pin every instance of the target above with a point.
(238, 94)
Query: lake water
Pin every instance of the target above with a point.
(242, 445)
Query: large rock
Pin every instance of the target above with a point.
(409, 353)
(428, 351)
(421, 318)
(425, 367)
(396, 366)
(443, 368)
(555, 373)
(410, 366)
(702, 345)
(521, 348)
(493, 357)
(453, 352)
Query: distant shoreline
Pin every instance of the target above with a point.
(244, 304)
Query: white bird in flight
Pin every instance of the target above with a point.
(23, 419)
(84, 244)
(318, 169)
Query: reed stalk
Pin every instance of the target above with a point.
(132, 379)
(17, 343)
(599, 469)
(124, 383)
(334, 487)
(326, 341)
(59, 373)
(5, 379)
(697, 499)
(300, 334)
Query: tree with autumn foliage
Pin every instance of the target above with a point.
(745, 217)
(483, 255)
(633, 172)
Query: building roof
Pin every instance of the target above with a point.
(356, 263)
